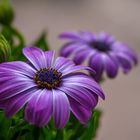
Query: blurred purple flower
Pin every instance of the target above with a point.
(48, 88)
(103, 52)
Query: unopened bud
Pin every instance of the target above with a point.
(5, 50)
(6, 12)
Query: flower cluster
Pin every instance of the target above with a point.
(46, 93)
(52, 88)
(102, 51)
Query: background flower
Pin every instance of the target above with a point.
(103, 52)
(48, 88)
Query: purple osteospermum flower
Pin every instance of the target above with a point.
(47, 88)
(102, 51)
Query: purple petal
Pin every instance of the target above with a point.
(87, 36)
(14, 104)
(36, 57)
(8, 89)
(125, 62)
(71, 48)
(70, 70)
(110, 65)
(70, 35)
(61, 108)
(132, 56)
(81, 113)
(62, 63)
(7, 75)
(97, 64)
(130, 53)
(106, 38)
(82, 55)
(84, 81)
(40, 108)
(18, 67)
(81, 95)
(49, 56)
(119, 47)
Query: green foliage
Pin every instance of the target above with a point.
(18, 129)
(5, 124)
(88, 131)
(5, 50)
(6, 12)
(42, 42)
(92, 126)
(16, 40)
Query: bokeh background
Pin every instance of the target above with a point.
(121, 109)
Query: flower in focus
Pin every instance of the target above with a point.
(48, 88)
(102, 52)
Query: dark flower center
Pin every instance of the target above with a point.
(100, 46)
(48, 78)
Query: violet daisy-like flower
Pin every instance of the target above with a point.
(102, 51)
(47, 88)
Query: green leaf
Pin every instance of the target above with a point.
(5, 49)
(4, 126)
(59, 135)
(16, 40)
(74, 129)
(92, 126)
(42, 42)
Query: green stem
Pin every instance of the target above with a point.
(19, 36)
(59, 134)
(10, 32)
(36, 133)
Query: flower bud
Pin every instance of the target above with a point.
(6, 12)
(5, 50)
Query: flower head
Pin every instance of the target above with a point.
(48, 88)
(103, 52)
